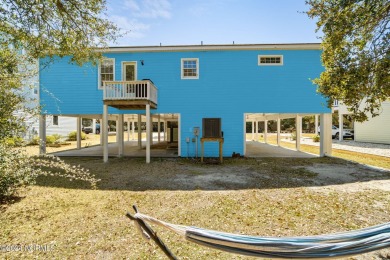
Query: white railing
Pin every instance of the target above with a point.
(130, 90)
(335, 103)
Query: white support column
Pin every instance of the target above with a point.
(159, 128)
(139, 132)
(265, 130)
(78, 135)
(253, 130)
(316, 124)
(151, 130)
(128, 129)
(256, 131)
(341, 126)
(165, 131)
(119, 132)
(101, 129)
(94, 126)
(178, 134)
(326, 135)
(132, 129)
(298, 128)
(244, 131)
(147, 133)
(42, 134)
(104, 132)
(278, 131)
(116, 129)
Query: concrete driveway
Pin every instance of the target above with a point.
(257, 149)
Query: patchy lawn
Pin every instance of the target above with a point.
(266, 197)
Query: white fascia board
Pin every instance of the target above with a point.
(292, 46)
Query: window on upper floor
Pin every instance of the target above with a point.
(106, 71)
(270, 60)
(55, 120)
(35, 91)
(190, 68)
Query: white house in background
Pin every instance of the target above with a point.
(375, 130)
(54, 125)
(61, 125)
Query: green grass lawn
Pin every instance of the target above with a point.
(79, 223)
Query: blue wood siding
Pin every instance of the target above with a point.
(230, 84)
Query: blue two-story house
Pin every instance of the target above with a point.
(203, 88)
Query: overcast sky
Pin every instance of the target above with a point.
(174, 22)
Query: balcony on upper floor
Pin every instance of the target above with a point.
(130, 94)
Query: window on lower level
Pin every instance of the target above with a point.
(270, 60)
(55, 120)
(190, 68)
(106, 71)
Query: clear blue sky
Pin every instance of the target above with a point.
(175, 22)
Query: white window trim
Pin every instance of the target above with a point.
(270, 64)
(123, 66)
(197, 68)
(99, 76)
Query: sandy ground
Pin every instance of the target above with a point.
(320, 174)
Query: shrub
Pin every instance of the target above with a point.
(53, 139)
(293, 135)
(50, 139)
(72, 136)
(17, 170)
(57, 138)
(34, 141)
(316, 138)
(14, 141)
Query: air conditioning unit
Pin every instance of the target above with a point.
(211, 128)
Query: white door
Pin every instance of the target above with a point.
(129, 70)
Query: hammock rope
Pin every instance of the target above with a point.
(323, 246)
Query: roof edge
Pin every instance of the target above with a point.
(282, 46)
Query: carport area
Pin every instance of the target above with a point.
(257, 149)
(160, 139)
(254, 148)
(131, 149)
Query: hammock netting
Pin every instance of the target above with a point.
(336, 245)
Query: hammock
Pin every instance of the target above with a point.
(323, 246)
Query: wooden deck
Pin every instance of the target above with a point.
(130, 95)
(130, 104)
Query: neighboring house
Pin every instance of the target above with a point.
(182, 85)
(54, 125)
(61, 125)
(376, 129)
